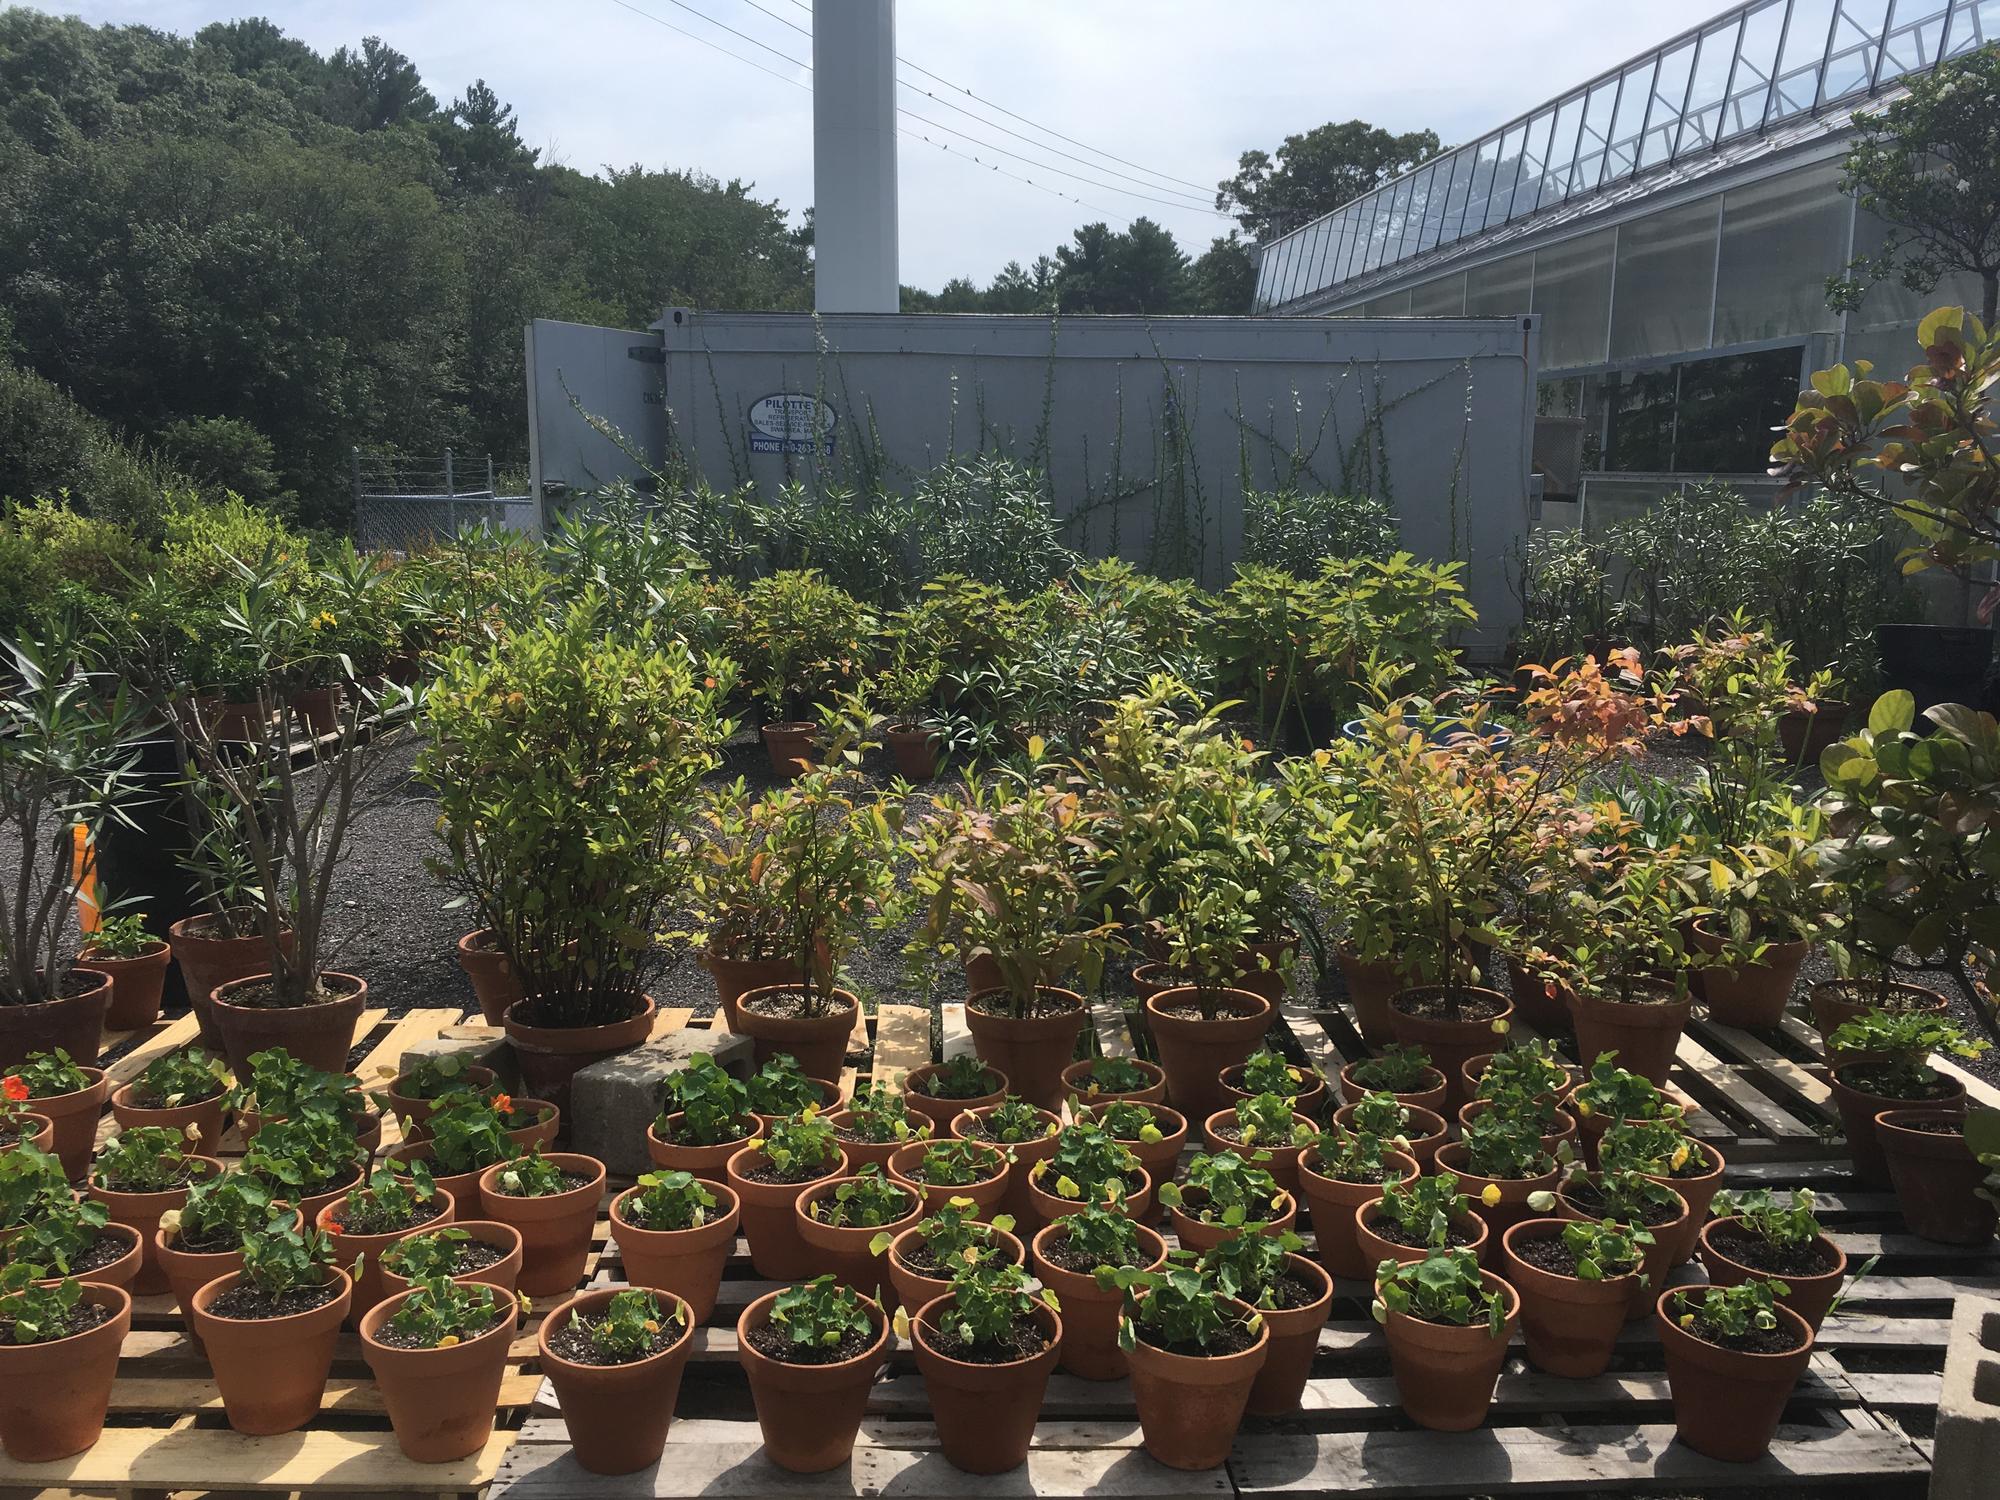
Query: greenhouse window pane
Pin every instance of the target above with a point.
(1797, 85)
(1562, 152)
(1482, 186)
(1534, 160)
(1350, 236)
(1399, 216)
(1857, 37)
(1390, 305)
(1916, 28)
(1665, 282)
(1573, 295)
(1974, 23)
(1501, 289)
(1703, 116)
(1364, 227)
(1443, 298)
(1624, 153)
(1287, 250)
(1505, 173)
(1596, 136)
(1756, 63)
(1414, 203)
(1781, 239)
(1463, 164)
(1314, 236)
(1441, 191)
(1663, 124)
(1379, 228)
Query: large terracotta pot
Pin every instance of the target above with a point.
(1514, 1194)
(843, 1249)
(1333, 1204)
(1190, 1406)
(1375, 1249)
(208, 963)
(53, 1396)
(809, 1414)
(555, 1230)
(818, 1043)
(1077, 1084)
(1643, 1034)
(1753, 994)
(441, 1402)
(736, 977)
(271, 1371)
(117, 1272)
(1090, 1313)
(914, 751)
(136, 986)
(1571, 1324)
(1936, 1175)
(550, 1056)
(142, 1212)
(1449, 1043)
(687, 1262)
(1727, 1404)
(1370, 986)
(321, 1034)
(1194, 1051)
(1858, 1109)
(914, 1289)
(1804, 735)
(348, 1247)
(709, 1163)
(790, 746)
(937, 1108)
(206, 1116)
(74, 1023)
(1811, 1297)
(1294, 1340)
(985, 1193)
(770, 1218)
(75, 1117)
(1433, 1096)
(617, 1415)
(187, 1271)
(495, 985)
(502, 1274)
(1031, 1052)
(1017, 1200)
(1425, 1131)
(985, 1413)
(1445, 1374)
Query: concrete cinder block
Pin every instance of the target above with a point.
(612, 1102)
(481, 1046)
(1967, 1453)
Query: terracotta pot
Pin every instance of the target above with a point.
(208, 963)
(1198, 1235)
(1017, 1200)
(809, 1414)
(74, 1023)
(555, 1230)
(1426, 1131)
(736, 977)
(317, 710)
(912, 1290)
(1283, 1163)
(38, 1131)
(463, 1186)
(206, 1117)
(1076, 1084)
(1449, 1043)
(1194, 1052)
(914, 751)
(1333, 1204)
(1727, 1404)
(367, 1248)
(1432, 1097)
(1804, 736)
(832, 1097)
(818, 1043)
(1514, 1192)
(686, 1262)
(136, 986)
(1189, 1406)
(1571, 1325)
(1370, 986)
(861, 1153)
(142, 1212)
(1310, 1100)
(985, 1413)
(440, 1401)
(790, 747)
(1697, 1193)
(1090, 1313)
(1261, 967)
(495, 985)
(1811, 1297)
(843, 1250)
(617, 1415)
(1445, 1375)
(1539, 1003)
(985, 1194)
(939, 1110)
(1565, 1123)
(1644, 1035)
(1754, 994)
(188, 1272)
(1936, 1176)
(118, 1272)
(1294, 1340)
(1858, 1110)
(321, 1034)
(706, 1162)
(75, 1117)
(550, 1056)
(416, 1111)
(503, 1273)
(1032, 1053)
(1474, 1071)
(1840, 1000)
(53, 1396)
(271, 1371)
(311, 1203)
(771, 1221)
(1657, 1258)
(1161, 1159)
(1049, 1207)
(1375, 1249)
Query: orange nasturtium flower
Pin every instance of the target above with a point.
(16, 1088)
(503, 1103)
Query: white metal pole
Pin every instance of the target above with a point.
(854, 156)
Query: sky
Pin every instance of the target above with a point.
(1174, 88)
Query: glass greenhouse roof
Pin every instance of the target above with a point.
(1757, 69)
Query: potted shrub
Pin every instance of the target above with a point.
(767, 1176)
(875, 1122)
(1936, 1175)
(139, 1175)
(177, 1091)
(1221, 1196)
(1635, 1202)
(1753, 1236)
(843, 1216)
(1501, 1162)
(1338, 1172)
(812, 1353)
(1067, 1253)
(71, 1236)
(1292, 1294)
(704, 1121)
(1411, 1219)
(1521, 1094)
(271, 1327)
(1264, 1127)
(572, 847)
(1268, 1072)
(778, 1089)
(616, 1357)
(552, 1201)
(135, 962)
(69, 1097)
(1205, 1024)
(1152, 1132)
(1893, 1072)
(905, 692)
(414, 1094)
(985, 1350)
(365, 1221)
(1195, 1354)
(1028, 1134)
(1405, 1072)
(1576, 1280)
(1448, 1323)
(1733, 1356)
(943, 1170)
(1101, 1080)
(471, 1250)
(439, 1352)
(940, 1090)
(57, 1362)
(675, 1232)
(308, 1159)
(1662, 1153)
(745, 934)
(203, 1239)
(1422, 1131)
(1766, 904)
(801, 648)
(1088, 1165)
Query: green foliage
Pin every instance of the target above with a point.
(797, 1144)
(178, 1078)
(440, 1312)
(1103, 1236)
(630, 1322)
(779, 1088)
(1396, 1068)
(281, 1086)
(1122, 1119)
(468, 1134)
(953, 1235)
(1657, 1148)
(820, 1314)
(1232, 1191)
(866, 1200)
(1014, 1120)
(990, 518)
(710, 1101)
(669, 1201)
(1733, 1312)
(1115, 1075)
(51, 446)
(1266, 1120)
(420, 1257)
(60, 1230)
(1295, 530)
(435, 1076)
(1356, 1155)
(1317, 171)
(121, 935)
(28, 1178)
(1782, 1226)
(1896, 1047)
(988, 1299)
(1531, 1069)
(144, 1159)
(279, 1259)
(36, 1314)
(957, 1163)
(1443, 1287)
(1618, 1094)
(1381, 1114)
(1268, 1072)
(303, 1154)
(1626, 1196)
(532, 1175)
(1425, 1207)
(1982, 1135)
(1605, 1249)
(1505, 1146)
(224, 1208)
(49, 1075)
(960, 1077)
(801, 642)
(396, 1195)
(1177, 1306)
(1088, 1165)
(1247, 1266)
(880, 1114)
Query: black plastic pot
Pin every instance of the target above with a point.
(1936, 663)
(143, 859)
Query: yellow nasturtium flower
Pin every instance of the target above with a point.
(1490, 1195)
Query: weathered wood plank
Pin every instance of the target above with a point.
(1742, 1096)
(1768, 1062)
(1114, 1032)
(902, 1042)
(179, 1032)
(328, 1461)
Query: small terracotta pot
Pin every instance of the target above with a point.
(1030, 1054)
(142, 1212)
(686, 1262)
(1565, 1123)
(790, 747)
(463, 1186)
(118, 1272)
(415, 1110)
(1754, 994)
(1444, 1374)
(617, 1415)
(75, 1023)
(38, 1131)
(1076, 1084)
(367, 1248)
(1333, 1204)
(1017, 1200)
(985, 1194)
(1049, 1207)
(736, 977)
(1283, 1164)
(914, 751)
(495, 985)
(549, 1057)
(1197, 1235)
(441, 1402)
(1836, 1001)
(1697, 1193)
(321, 1034)
(1194, 1052)
(188, 1272)
(1189, 1406)
(136, 986)
(1309, 1101)
(1260, 967)
(912, 1290)
(74, 1116)
(770, 1218)
(1426, 1131)
(53, 1396)
(1090, 1313)
(1370, 986)
(861, 1153)
(1805, 735)
(1571, 1325)
(843, 1249)
(1432, 1097)
(1858, 1109)
(1936, 1175)
(1727, 1404)
(1657, 1258)
(1811, 1297)
(555, 1230)
(1161, 1159)
(1474, 1070)
(503, 1273)
(940, 1110)
(1449, 1043)
(271, 1371)
(709, 1163)
(818, 1043)
(1374, 1249)
(809, 1414)
(985, 1413)
(1538, 1002)
(206, 1116)
(207, 963)
(1294, 1340)
(1643, 1034)
(1513, 1205)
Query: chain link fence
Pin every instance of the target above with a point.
(403, 504)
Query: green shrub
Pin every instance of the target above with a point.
(51, 446)
(1296, 531)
